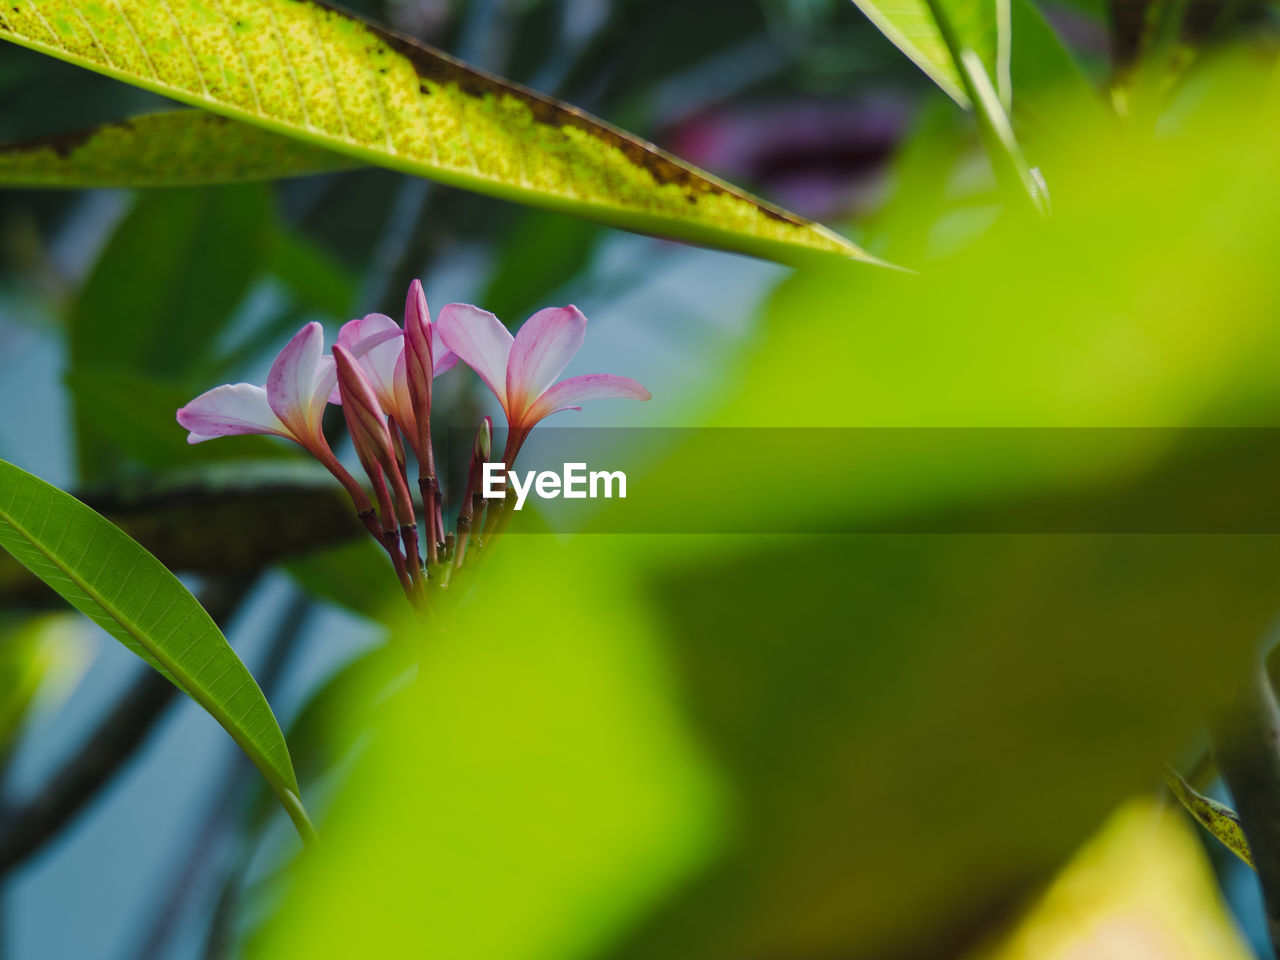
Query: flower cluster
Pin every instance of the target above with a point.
(381, 375)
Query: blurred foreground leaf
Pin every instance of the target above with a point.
(329, 79)
(905, 726)
(906, 733)
(1140, 889)
(535, 768)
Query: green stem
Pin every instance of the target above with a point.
(292, 804)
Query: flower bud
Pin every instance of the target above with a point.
(418, 364)
(484, 440)
(365, 419)
(376, 449)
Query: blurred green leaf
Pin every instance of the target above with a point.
(336, 717)
(328, 78)
(538, 255)
(974, 703)
(980, 25)
(113, 581)
(1049, 83)
(1041, 66)
(178, 148)
(316, 279)
(978, 702)
(132, 416)
(536, 766)
(922, 186)
(202, 249)
(354, 576)
(26, 655)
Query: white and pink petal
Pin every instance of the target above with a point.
(295, 378)
(480, 341)
(543, 347)
(230, 410)
(569, 394)
(442, 358)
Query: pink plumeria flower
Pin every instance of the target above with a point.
(291, 405)
(522, 370)
(378, 344)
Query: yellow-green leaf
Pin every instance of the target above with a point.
(177, 148)
(330, 79)
(980, 25)
(1217, 818)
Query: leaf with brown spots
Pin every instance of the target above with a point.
(173, 149)
(330, 80)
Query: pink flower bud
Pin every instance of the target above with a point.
(484, 440)
(365, 419)
(419, 367)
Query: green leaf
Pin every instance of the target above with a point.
(327, 78)
(178, 148)
(1219, 819)
(539, 253)
(317, 279)
(278, 509)
(113, 581)
(202, 248)
(1041, 63)
(980, 25)
(548, 776)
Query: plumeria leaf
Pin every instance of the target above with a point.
(117, 584)
(178, 148)
(280, 509)
(332, 80)
(1219, 819)
(980, 25)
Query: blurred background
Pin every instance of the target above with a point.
(740, 747)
